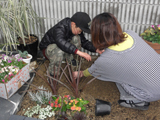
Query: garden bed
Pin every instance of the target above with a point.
(106, 91)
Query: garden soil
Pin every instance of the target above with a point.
(106, 91)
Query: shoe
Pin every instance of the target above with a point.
(131, 104)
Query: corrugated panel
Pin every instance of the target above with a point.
(135, 15)
(130, 13)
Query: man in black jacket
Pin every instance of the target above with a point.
(65, 39)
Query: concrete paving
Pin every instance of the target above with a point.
(17, 117)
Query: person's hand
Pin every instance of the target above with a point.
(100, 51)
(75, 74)
(84, 55)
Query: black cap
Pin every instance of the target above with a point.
(82, 20)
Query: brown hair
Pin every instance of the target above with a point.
(106, 31)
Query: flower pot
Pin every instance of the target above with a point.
(102, 108)
(155, 46)
(31, 46)
(28, 60)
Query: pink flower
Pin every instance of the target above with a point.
(56, 102)
(152, 26)
(5, 76)
(76, 101)
(66, 96)
(52, 104)
(9, 61)
(158, 27)
(78, 108)
(11, 74)
(55, 105)
(66, 101)
(19, 59)
(3, 81)
(73, 108)
(59, 105)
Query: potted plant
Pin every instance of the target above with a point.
(25, 56)
(152, 36)
(17, 19)
(13, 73)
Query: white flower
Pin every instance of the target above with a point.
(15, 70)
(2, 64)
(5, 58)
(5, 69)
(42, 116)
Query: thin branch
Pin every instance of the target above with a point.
(59, 82)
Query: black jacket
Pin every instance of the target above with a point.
(61, 35)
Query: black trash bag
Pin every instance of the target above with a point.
(102, 108)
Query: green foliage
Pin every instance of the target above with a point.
(152, 34)
(66, 102)
(23, 54)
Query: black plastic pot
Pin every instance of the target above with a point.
(102, 108)
(30, 48)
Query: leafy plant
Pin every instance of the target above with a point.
(67, 102)
(59, 102)
(42, 96)
(17, 19)
(9, 67)
(52, 81)
(71, 83)
(74, 83)
(77, 104)
(152, 34)
(42, 112)
(23, 54)
(79, 116)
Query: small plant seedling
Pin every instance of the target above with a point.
(23, 54)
